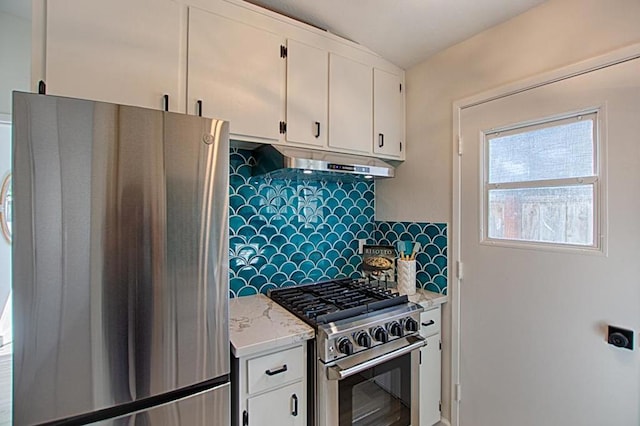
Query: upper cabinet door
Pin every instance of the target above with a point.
(350, 101)
(388, 117)
(119, 51)
(307, 94)
(238, 73)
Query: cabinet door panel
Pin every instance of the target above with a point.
(307, 94)
(430, 321)
(350, 101)
(387, 113)
(116, 51)
(430, 381)
(237, 72)
(278, 407)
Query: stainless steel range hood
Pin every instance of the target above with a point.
(285, 162)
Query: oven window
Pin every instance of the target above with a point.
(378, 396)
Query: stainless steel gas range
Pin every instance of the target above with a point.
(364, 362)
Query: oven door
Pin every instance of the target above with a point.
(376, 387)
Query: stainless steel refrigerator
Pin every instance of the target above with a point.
(120, 260)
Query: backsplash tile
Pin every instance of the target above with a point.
(431, 261)
(293, 231)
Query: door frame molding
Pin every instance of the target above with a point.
(614, 57)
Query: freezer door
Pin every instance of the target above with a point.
(120, 254)
(209, 408)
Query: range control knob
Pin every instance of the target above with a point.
(380, 334)
(363, 339)
(345, 346)
(411, 325)
(395, 329)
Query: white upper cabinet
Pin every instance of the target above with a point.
(388, 114)
(119, 51)
(350, 105)
(227, 60)
(238, 73)
(307, 94)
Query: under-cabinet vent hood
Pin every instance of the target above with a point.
(289, 162)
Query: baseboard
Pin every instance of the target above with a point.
(444, 422)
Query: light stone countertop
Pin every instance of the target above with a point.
(256, 324)
(428, 298)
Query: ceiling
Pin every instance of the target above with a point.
(404, 32)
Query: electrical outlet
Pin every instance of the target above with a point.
(361, 243)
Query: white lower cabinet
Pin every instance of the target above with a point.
(430, 367)
(270, 388)
(282, 406)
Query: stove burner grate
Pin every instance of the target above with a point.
(330, 301)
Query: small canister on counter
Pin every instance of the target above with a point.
(407, 277)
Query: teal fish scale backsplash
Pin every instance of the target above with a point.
(294, 231)
(431, 260)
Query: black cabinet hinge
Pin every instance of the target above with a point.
(400, 146)
(42, 88)
(283, 127)
(400, 87)
(440, 406)
(245, 418)
(283, 51)
(440, 343)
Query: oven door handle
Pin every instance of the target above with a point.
(338, 373)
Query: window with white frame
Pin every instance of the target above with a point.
(541, 183)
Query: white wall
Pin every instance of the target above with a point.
(554, 34)
(15, 64)
(5, 247)
(15, 57)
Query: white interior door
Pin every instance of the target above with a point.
(533, 321)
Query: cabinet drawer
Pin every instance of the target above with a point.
(272, 370)
(430, 322)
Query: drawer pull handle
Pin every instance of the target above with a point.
(278, 371)
(294, 397)
(427, 324)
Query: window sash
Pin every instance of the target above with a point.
(591, 180)
(544, 205)
(548, 183)
(527, 127)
